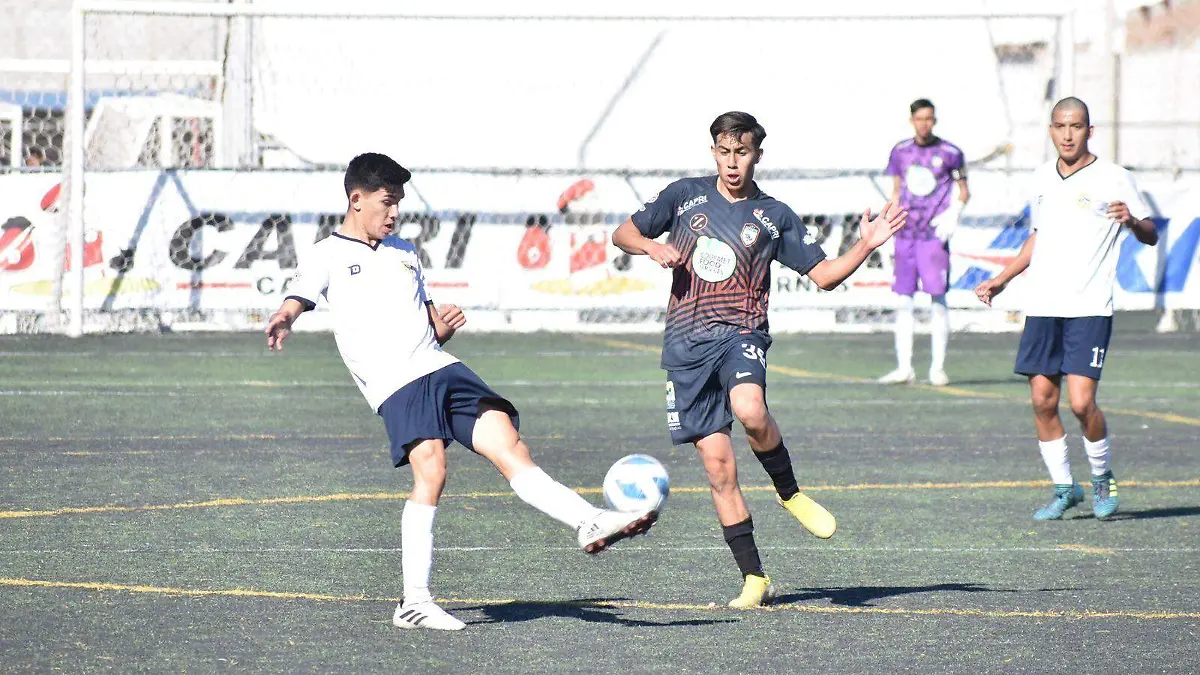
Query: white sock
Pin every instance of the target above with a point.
(939, 331)
(552, 498)
(1097, 452)
(1054, 454)
(904, 332)
(416, 550)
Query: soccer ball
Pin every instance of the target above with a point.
(636, 483)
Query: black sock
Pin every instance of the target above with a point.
(740, 537)
(778, 464)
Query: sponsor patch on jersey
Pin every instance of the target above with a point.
(936, 161)
(713, 260)
(766, 222)
(698, 222)
(355, 269)
(811, 234)
(919, 180)
(691, 204)
(749, 234)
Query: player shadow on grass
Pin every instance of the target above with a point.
(1170, 512)
(862, 596)
(593, 610)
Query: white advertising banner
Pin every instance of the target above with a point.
(210, 240)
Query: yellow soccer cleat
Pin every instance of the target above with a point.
(756, 592)
(814, 517)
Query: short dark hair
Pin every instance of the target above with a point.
(919, 104)
(736, 124)
(372, 172)
(1072, 103)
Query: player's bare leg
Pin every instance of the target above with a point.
(749, 405)
(497, 440)
(1044, 393)
(418, 610)
(1082, 392)
(716, 453)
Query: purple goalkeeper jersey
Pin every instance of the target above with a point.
(926, 173)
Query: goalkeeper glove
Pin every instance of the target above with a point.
(946, 222)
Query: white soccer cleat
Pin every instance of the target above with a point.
(425, 615)
(609, 527)
(939, 378)
(899, 376)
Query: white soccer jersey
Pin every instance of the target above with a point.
(377, 298)
(1074, 263)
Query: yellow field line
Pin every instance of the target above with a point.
(605, 604)
(945, 391)
(1166, 417)
(397, 496)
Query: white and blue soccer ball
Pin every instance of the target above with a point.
(636, 483)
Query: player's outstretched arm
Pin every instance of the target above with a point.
(992, 287)
(628, 238)
(279, 326)
(445, 320)
(872, 233)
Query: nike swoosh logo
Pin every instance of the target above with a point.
(741, 375)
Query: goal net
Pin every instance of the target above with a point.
(211, 138)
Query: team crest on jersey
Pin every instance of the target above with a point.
(698, 222)
(749, 234)
(936, 161)
(810, 234)
(762, 218)
(1095, 206)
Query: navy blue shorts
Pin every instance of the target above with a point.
(443, 404)
(698, 398)
(1054, 345)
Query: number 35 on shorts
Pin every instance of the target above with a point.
(754, 353)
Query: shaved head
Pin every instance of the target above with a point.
(1072, 104)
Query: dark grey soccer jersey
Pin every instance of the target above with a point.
(720, 288)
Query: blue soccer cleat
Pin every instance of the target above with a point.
(1065, 496)
(1104, 495)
